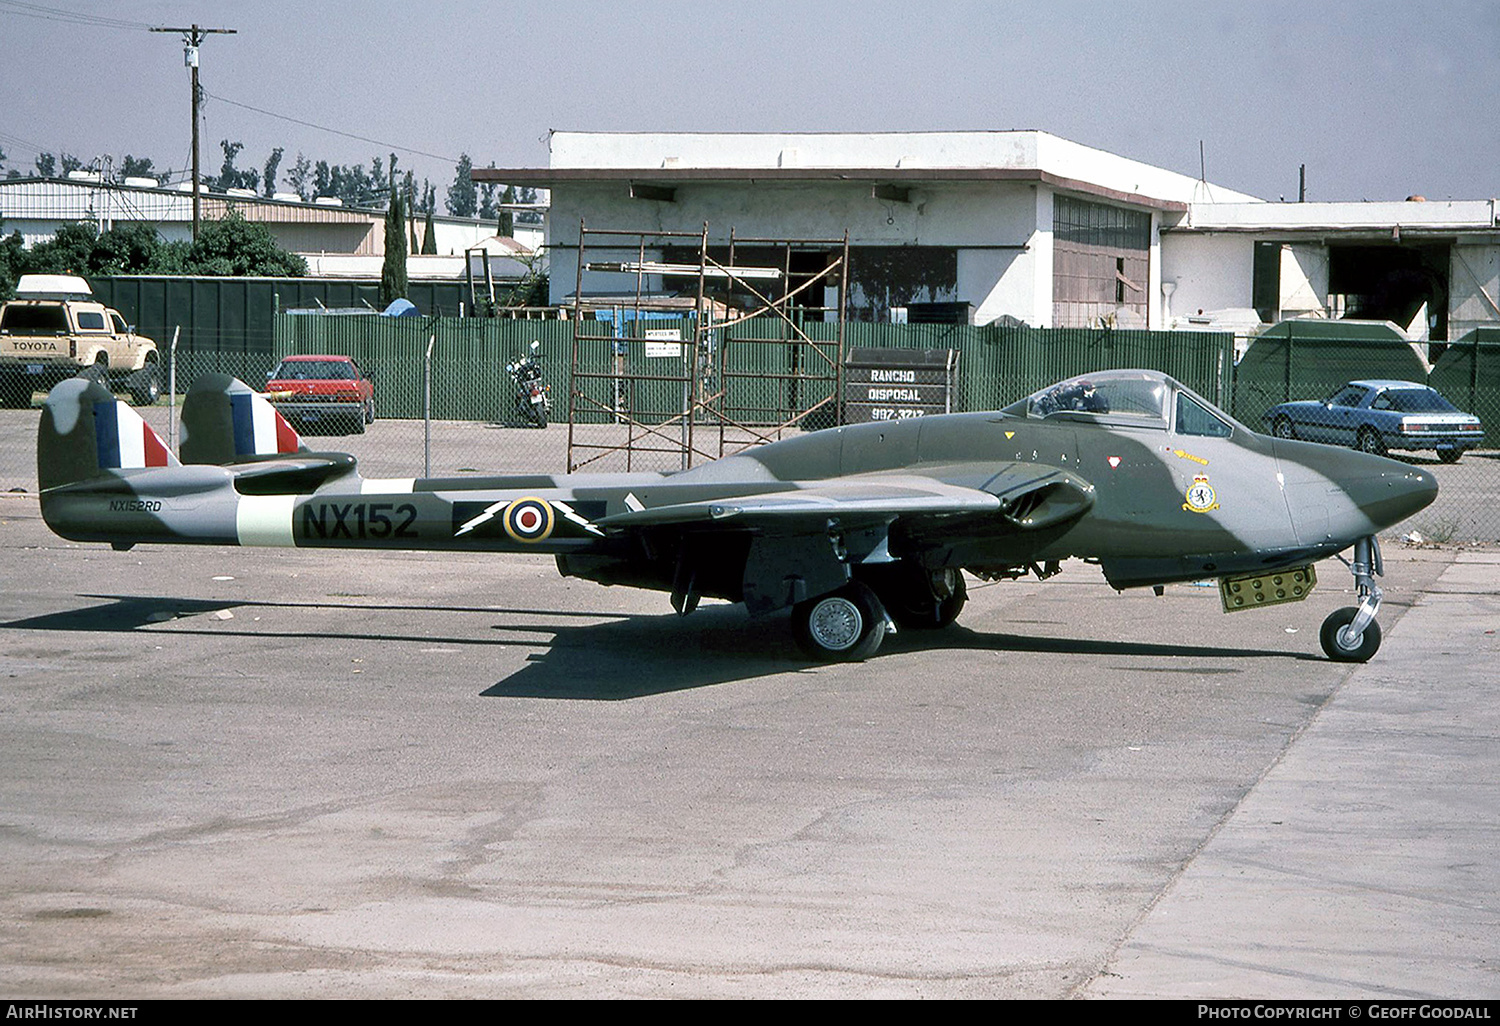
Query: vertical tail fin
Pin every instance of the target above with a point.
(224, 420)
(85, 432)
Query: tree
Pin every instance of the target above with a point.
(67, 252)
(300, 177)
(231, 177)
(137, 167)
(507, 216)
(12, 251)
(269, 176)
(46, 165)
(393, 271)
(234, 246)
(487, 208)
(463, 198)
(128, 248)
(409, 194)
(429, 240)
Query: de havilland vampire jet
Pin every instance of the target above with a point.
(858, 530)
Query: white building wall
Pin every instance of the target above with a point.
(1042, 254)
(1304, 279)
(1212, 272)
(997, 282)
(1474, 288)
(1153, 276)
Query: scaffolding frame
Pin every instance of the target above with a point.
(709, 424)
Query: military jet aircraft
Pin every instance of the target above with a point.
(858, 530)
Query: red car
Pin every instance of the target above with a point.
(322, 395)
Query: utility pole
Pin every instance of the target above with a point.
(192, 38)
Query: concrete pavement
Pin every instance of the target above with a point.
(1366, 862)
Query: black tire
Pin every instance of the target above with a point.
(1369, 441)
(1283, 428)
(146, 389)
(847, 625)
(1369, 641)
(370, 410)
(906, 591)
(1450, 455)
(539, 414)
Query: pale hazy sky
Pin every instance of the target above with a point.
(1379, 99)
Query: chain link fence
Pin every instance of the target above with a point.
(446, 404)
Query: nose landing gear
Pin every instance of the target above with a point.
(1351, 635)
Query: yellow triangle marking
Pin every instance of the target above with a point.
(1009, 435)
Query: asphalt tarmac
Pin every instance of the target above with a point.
(250, 773)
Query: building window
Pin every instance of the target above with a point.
(1100, 264)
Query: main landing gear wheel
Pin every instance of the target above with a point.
(919, 599)
(847, 625)
(1339, 646)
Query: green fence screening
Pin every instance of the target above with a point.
(997, 365)
(469, 354)
(1468, 374)
(1312, 359)
(1000, 364)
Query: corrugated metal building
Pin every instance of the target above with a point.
(36, 207)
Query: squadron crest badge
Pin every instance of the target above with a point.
(1201, 496)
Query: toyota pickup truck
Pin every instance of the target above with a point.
(55, 328)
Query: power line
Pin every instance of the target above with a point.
(334, 131)
(45, 13)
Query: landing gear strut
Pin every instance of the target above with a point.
(1351, 635)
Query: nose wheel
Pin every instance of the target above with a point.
(1351, 635)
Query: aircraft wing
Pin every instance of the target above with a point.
(1028, 495)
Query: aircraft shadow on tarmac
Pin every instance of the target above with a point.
(629, 656)
(156, 612)
(643, 656)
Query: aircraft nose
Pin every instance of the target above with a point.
(1360, 493)
(1390, 494)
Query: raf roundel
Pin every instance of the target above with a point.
(528, 520)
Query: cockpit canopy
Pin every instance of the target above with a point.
(1142, 398)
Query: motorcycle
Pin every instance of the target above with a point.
(532, 401)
